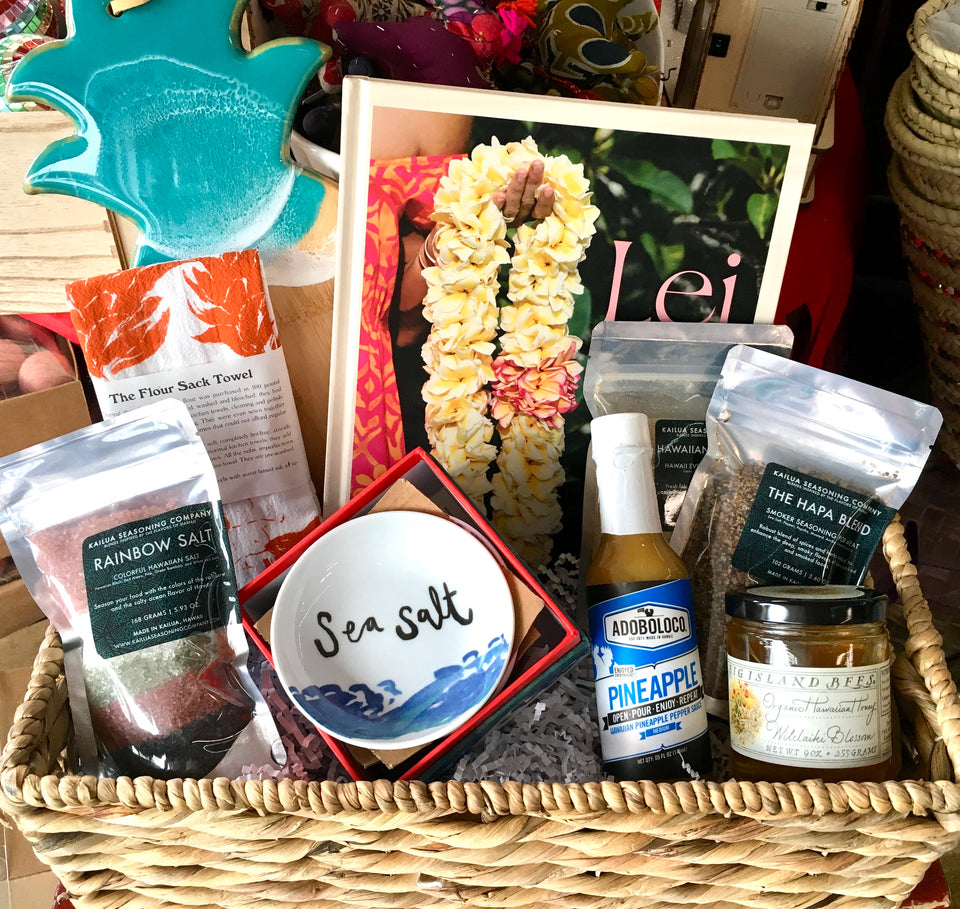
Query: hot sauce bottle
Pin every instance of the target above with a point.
(653, 724)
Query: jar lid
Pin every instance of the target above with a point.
(813, 605)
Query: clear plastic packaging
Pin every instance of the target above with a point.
(667, 370)
(804, 470)
(32, 358)
(118, 533)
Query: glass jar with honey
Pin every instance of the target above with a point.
(809, 685)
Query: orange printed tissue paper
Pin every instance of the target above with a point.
(202, 330)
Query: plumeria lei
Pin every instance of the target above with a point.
(523, 389)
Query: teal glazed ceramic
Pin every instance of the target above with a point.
(183, 131)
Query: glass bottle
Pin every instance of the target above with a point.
(653, 724)
(809, 676)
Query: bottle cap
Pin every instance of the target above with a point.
(837, 604)
(620, 430)
(621, 449)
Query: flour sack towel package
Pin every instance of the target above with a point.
(202, 331)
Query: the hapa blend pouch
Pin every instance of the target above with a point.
(804, 470)
(117, 531)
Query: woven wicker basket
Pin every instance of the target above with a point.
(933, 149)
(937, 223)
(922, 120)
(942, 63)
(942, 347)
(936, 291)
(919, 120)
(265, 845)
(924, 181)
(932, 97)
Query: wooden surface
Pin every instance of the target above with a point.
(46, 240)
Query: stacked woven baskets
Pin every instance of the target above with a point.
(923, 124)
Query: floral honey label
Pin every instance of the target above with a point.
(810, 717)
(801, 530)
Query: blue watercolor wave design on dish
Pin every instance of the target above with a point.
(360, 711)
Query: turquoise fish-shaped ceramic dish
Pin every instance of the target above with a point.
(184, 132)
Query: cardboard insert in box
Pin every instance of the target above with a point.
(547, 643)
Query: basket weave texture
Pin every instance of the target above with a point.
(149, 844)
(922, 121)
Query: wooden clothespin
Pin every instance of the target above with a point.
(120, 6)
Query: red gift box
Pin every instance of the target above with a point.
(560, 643)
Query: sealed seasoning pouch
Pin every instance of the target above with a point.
(203, 331)
(803, 472)
(117, 531)
(668, 370)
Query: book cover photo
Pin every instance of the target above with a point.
(462, 325)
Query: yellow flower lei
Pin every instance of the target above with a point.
(532, 381)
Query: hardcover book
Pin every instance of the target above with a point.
(462, 327)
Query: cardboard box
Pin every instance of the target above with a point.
(549, 641)
(17, 612)
(28, 419)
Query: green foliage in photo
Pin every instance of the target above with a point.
(687, 206)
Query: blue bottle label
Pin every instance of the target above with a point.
(647, 668)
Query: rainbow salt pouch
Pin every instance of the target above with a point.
(118, 534)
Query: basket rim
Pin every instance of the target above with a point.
(22, 791)
(484, 799)
(923, 44)
(934, 95)
(906, 143)
(941, 219)
(927, 183)
(920, 121)
(942, 272)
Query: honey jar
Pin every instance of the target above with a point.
(808, 675)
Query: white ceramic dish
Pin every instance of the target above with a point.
(314, 157)
(393, 629)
